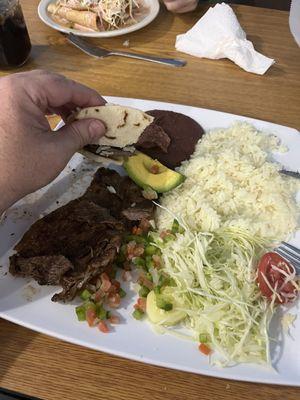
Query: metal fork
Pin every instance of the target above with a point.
(290, 253)
(100, 52)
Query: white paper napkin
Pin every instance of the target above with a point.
(218, 34)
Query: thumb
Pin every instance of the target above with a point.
(76, 135)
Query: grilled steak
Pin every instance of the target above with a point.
(120, 194)
(46, 270)
(75, 243)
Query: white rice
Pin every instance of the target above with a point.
(230, 181)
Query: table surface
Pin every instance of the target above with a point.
(41, 366)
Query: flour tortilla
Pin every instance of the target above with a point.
(88, 19)
(124, 125)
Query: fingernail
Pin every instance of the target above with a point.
(97, 130)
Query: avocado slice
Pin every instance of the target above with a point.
(146, 172)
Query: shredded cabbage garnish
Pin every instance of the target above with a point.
(114, 12)
(215, 285)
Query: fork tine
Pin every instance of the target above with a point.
(295, 263)
(290, 246)
(296, 257)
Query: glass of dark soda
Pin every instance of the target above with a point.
(15, 43)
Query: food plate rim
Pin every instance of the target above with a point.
(136, 357)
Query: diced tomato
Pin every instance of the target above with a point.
(269, 268)
(114, 300)
(205, 349)
(115, 286)
(114, 319)
(141, 303)
(91, 316)
(103, 327)
(139, 250)
(130, 250)
(105, 286)
(154, 169)
(156, 260)
(134, 250)
(104, 277)
(99, 296)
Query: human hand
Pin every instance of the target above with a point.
(31, 155)
(180, 6)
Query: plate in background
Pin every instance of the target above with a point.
(153, 6)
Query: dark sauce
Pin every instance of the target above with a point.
(15, 43)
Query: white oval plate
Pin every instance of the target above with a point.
(26, 303)
(153, 6)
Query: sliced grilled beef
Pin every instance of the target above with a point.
(46, 270)
(119, 194)
(75, 281)
(75, 243)
(72, 230)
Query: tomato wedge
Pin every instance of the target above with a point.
(274, 268)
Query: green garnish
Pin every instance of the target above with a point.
(163, 304)
(157, 289)
(138, 314)
(80, 312)
(143, 292)
(85, 295)
(101, 312)
(138, 261)
(149, 277)
(149, 262)
(122, 293)
(176, 228)
(169, 238)
(162, 280)
(170, 282)
(89, 305)
(150, 250)
(203, 338)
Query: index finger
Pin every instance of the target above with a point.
(49, 90)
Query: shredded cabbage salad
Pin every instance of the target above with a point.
(214, 284)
